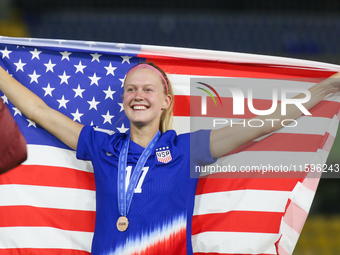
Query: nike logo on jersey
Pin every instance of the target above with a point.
(108, 154)
(163, 155)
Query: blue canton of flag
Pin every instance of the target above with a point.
(85, 86)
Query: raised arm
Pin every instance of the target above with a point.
(224, 140)
(36, 110)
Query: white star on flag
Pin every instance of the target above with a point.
(20, 65)
(109, 93)
(94, 79)
(64, 78)
(16, 111)
(126, 59)
(77, 115)
(48, 90)
(95, 56)
(35, 54)
(5, 99)
(80, 67)
(122, 129)
(34, 77)
(121, 107)
(110, 69)
(79, 91)
(49, 66)
(31, 123)
(107, 117)
(122, 80)
(93, 103)
(62, 102)
(5, 53)
(65, 55)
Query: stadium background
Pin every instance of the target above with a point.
(305, 29)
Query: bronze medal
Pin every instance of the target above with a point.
(122, 223)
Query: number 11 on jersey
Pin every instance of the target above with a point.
(138, 188)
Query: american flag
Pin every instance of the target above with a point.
(47, 205)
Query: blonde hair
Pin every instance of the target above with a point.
(167, 114)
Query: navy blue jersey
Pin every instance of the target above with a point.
(162, 206)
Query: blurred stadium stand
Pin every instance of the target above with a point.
(253, 5)
(320, 236)
(11, 23)
(291, 35)
(300, 29)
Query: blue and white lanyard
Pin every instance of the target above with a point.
(125, 198)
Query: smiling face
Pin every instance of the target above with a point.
(144, 98)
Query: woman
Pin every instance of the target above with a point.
(145, 204)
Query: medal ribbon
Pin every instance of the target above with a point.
(125, 197)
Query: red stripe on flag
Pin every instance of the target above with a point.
(218, 69)
(237, 221)
(284, 142)
(211, 185)
(181, 106)
(29, 216)
(37, 251)
(326, 109)
(49, 176)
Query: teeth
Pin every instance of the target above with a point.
(139, 107)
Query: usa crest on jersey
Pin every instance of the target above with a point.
(163, 154)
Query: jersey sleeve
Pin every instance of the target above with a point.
(196, 145)
(90, 141)
(200, 152)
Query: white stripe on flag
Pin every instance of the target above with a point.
(235, 243)
(289, 238)
(302, 196)
(181, 124)
(44, 237)
(52, 156)
(47, 197)
(241, 200)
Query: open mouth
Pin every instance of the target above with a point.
(139, 107)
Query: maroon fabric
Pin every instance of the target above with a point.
(13, 149)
